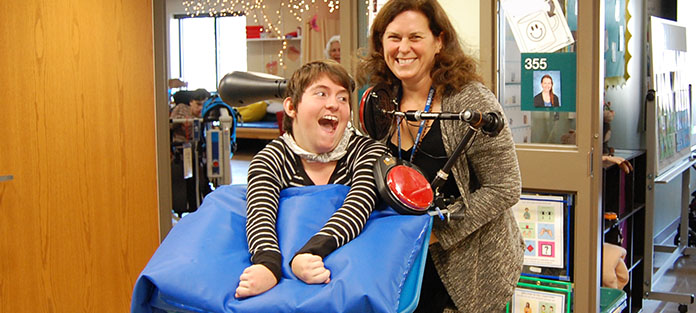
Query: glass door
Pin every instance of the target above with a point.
(549, 77)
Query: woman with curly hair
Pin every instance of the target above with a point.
(474, 262)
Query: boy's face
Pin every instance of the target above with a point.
(321, 116)
(196, 107)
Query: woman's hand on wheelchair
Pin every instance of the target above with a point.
(256, 279)
(310, 269)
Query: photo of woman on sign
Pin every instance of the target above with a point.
(546, 97)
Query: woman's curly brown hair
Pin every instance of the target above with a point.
(452, 68)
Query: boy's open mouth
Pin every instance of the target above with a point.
(328, 123)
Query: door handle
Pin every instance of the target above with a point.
(6, 177)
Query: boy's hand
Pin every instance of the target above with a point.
(256, 279)
(310, 269)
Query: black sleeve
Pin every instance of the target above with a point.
(271, 260)
(320, 245)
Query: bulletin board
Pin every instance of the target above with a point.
(671, 111)
(616, 54)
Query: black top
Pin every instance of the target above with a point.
(430, 158)
(539, 101)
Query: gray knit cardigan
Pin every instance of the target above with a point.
(479, 257)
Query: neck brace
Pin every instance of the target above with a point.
(333, 155)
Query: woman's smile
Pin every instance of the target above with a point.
(410, 47)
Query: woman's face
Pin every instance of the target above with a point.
(335, 51)
(410, 47)
(321, 117)
(546, 84)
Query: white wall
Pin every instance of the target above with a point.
(465, 17)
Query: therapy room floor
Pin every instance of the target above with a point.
(680, 278)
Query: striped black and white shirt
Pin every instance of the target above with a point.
(276, 167)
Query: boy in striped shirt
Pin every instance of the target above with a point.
(317, 148)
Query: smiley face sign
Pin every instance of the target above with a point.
(536, 31)
(536, 28)
(537, 25)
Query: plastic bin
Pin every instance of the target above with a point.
(611, 300)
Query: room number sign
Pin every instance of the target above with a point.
(548, 81)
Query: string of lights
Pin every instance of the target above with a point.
(257, 10)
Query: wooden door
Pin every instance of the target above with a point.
(79, 218)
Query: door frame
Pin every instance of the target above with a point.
(580, 165)
(161, 59)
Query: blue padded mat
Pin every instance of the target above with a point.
(197, 266)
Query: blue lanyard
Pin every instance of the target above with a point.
(428, 102)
